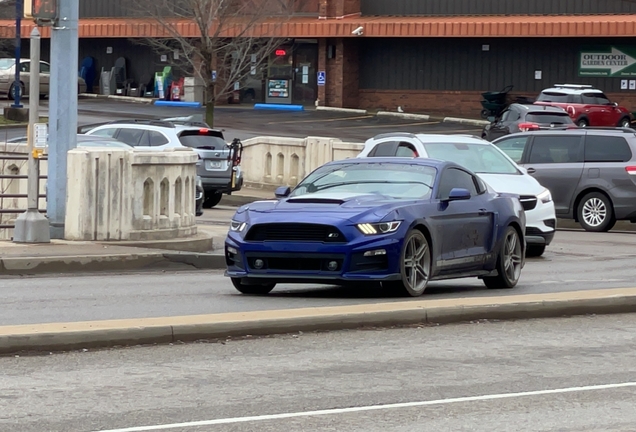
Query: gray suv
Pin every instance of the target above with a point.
(590, 172)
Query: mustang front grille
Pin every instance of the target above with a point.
(295, 232)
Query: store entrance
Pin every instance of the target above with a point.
(292, 75)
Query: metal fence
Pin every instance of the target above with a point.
(11, 178)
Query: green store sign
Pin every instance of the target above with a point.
(608, 62)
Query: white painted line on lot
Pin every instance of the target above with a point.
(385, 125)
(373, 408)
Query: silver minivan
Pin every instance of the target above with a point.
(590, 172)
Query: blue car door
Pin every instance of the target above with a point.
(466, 226)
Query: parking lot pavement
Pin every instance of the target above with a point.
(566, 374)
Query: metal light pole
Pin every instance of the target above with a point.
(17, 88)
(32, 226)
(62, 109)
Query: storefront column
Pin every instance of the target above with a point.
(339, 59)
(322, 67)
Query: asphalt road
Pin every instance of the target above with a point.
(244, 122)
(572, 374)
(575, 261)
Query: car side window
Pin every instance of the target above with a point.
(45, 68)
(108, 132)
(130, 136)
(24, 67)
(589, 98)
(600, 148)
(513, 147)
(157, 139)
(556, 149)
(406, 150)
(576, 99)
(384, 149)
(455, 178)
(601, 99)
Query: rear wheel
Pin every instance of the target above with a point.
(583, 123)
(212, 199)
(508, 262)
(596, 213)
(625, 123)
(12, 89)
(415, 265)
(252, 289)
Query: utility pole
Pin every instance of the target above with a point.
(17, 87)
(62, 109)
(32, 226)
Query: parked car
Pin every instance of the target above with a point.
(591, 172)
(84, 141)
(401, 222)
(586, 105)
(520, 118)
(7, 78)
(489, 163)
(219, 163)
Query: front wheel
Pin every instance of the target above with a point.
(508, 262)
(252, 289)
(583, 123)
(415, 265)
(596, 213)
(12, 90)
(625, 123)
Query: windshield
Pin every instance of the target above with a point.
(400, 181)
(6, 63)
(549, 118)
(479, 158)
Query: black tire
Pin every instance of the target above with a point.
(212, 200)
(416, 244)
(535, 250)
(252, 289)
(485, 114)
(12, 89)
(510, 254)
(625, 122)
(596, 213)
(583, 122)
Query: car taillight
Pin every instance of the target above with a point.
(631, 170)
(203, 131)
(524, 127)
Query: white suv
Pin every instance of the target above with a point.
(489, 163)
(218, 165)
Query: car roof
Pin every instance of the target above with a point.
(579, 131)
(434, 163)
(572, 89)
(432, 138)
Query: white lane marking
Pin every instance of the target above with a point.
(371, 408)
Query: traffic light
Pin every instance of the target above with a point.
(41, 10)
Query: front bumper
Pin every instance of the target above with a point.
(298, 262)
(540, 224)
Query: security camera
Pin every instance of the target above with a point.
(358, 31)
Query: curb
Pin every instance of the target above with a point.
(342, 110)
(407, 116)
(132, 99)
(28, 266)
(100, 334)
(465, 121)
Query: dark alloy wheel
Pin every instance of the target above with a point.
(415, 265)
(508, 262)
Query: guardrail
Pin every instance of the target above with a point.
(11, 178)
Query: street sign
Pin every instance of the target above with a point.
(214, 76)
(322, 78)
(608, 62)
(40, 135)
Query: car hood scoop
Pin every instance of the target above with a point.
(338, 198)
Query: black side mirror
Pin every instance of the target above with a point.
(282, 192)
(458, 194)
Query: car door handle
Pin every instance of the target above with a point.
(483, 212)
(531, 170)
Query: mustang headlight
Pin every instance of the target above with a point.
(545, 196)
(237, 226)
(379, 228)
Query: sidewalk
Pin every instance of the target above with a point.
(61, 256)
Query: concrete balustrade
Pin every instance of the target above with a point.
(118, 194)
(276, 161)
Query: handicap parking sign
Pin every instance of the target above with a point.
(322, 78)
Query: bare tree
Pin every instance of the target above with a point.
(230, 41)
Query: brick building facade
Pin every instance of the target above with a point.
(431, 56)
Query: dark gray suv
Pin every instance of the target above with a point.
(591, 172)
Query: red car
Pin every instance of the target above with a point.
(586, 105)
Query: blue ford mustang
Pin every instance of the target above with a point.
(399, 221)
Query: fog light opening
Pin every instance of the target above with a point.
(232, 251)
(259, 263)
(332, 266)
(376, 252)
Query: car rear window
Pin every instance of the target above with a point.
(553, 97)
(202, 139)
(549, 118)
(600, 148)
